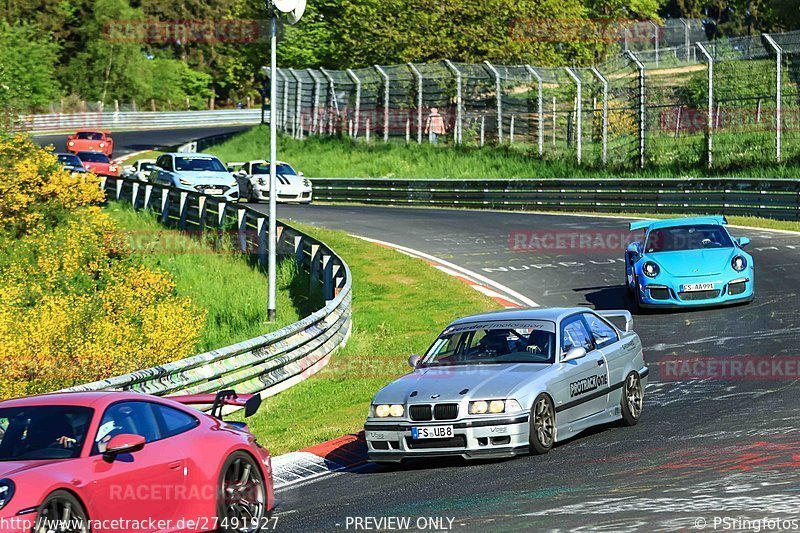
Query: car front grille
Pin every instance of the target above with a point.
(457, 441)
(445, 411)
(698, 295)
(202, 188)
(420, 413)
(737, 288)
(659, 293)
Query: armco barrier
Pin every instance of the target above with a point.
(269, 363)
(140, 120)
(770, 198)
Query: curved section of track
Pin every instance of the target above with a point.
(704, 448)
(127, 142)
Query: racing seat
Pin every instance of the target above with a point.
(541, 340)
(495, 342)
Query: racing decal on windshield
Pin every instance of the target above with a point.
(540, 325)
(587, 384)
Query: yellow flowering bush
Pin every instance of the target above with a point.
(76, 304)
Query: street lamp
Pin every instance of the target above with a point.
(294, 9)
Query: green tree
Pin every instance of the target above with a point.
(27, 68)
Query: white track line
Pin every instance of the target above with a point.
(461, 270)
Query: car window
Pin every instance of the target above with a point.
(683, 238)
(43, 432)
(173, 421)
(136, 418)
(602, 333)
(519, 341)
(198, 164)
(90, 135)
(93, 157)
(574, 335)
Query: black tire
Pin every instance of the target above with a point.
(542, 425)
(61, 512)
(632, 400)
(234, 510)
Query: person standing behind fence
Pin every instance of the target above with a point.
(434, 126)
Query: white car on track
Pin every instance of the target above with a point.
(508, 382)
(203, 173)
(253, 179)
(140, 169)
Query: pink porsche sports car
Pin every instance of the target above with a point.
(128, 462)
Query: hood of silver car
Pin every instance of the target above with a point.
(447, 384)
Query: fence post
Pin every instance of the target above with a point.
(183, 209)
(385, 102)
(655, 39)
(201, 212)
(499, 98)
(604, 81)
(317, 87)
(539, 108)
(261, 229)
(418, 76)
(357, 117)
(578, 111)
(332, 105)
(241, 219)
(459, 113)
(686, 38)
(778, 90)
(298, 112)
(285, 102)
(642, 108)
(710, 118)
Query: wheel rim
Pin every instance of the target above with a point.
(60, 516)
(544, 422)
(244, 496)
(633, 395)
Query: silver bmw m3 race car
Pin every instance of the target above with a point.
(508, 382)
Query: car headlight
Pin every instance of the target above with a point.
(261, 181)
(387, 410)
(102, 145)
(494, 407)
(739, 263)
(7, 488)
(72, 143)
(306, 183)
(650, 269)
(184, 182)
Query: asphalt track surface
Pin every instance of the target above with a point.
(726, 448)
(127, 142)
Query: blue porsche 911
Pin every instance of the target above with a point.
(688, 262)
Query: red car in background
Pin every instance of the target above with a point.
(75, 461)
(91, 141)
(99, 163)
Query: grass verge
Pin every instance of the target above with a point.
(331, 157)
(399, 305)
(232, 291)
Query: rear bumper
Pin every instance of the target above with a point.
(472, 439)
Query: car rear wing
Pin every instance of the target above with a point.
(619, 314)
(250, 402)
(234, 165)
(712, 219)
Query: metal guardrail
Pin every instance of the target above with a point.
(770, 198)
(139, 120)
(270, 363)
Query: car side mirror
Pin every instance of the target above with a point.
(123, 443)
(633, 252)
(574, 353)
(414, 360)
(743, 241)
(300, 174)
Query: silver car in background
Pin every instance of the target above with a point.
(203, 173)
(509, 382)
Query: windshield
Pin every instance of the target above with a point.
(93, 157)
(69, 160)
(263, 168)
(89, 135)
(43, 432)
(199, 164)
(519, 341)
(681, 238)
